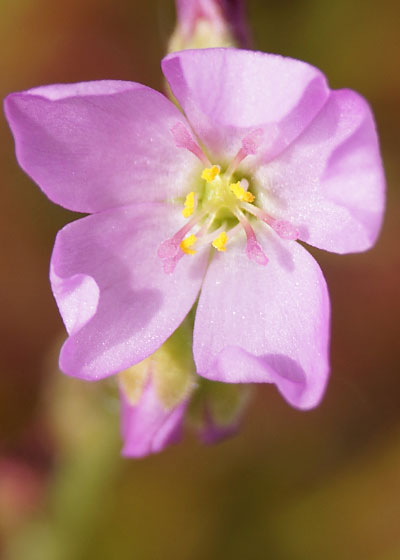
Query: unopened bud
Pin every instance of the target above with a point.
(216, 409)
(209, 23)
(154, 397)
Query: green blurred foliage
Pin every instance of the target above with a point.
(291, 485)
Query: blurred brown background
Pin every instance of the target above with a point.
(291, 486)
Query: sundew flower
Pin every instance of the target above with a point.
(205, 203)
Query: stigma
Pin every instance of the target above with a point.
(220, 206)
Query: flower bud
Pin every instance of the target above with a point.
(209, 23)
(147, 426)
(216, 409)
(154, 397)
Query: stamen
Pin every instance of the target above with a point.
(220, 242)
(283, 228)
(187, 243)
(170, 247)
(190, 204)
(183, 139)
(253, 248)
(209, 173)
(170, 261)
(240, 193)
(250, 144)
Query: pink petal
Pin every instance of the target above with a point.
(96, 145)
(329, 183)
(265, 323)
(116, 301)
(148, 427)
(227, 93)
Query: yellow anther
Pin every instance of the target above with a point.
(220, 242)
(240, 193)
(189, 205)
(248, 197)
(209, 173)
(187, 243)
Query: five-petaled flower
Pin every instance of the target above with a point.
(208, 203)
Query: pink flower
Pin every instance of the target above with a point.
(207, 202)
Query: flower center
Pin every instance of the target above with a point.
(220, 193)
(220, 207)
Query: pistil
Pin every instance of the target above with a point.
(253, 248)
(183, 139)
(250, 144)
(283, 228)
